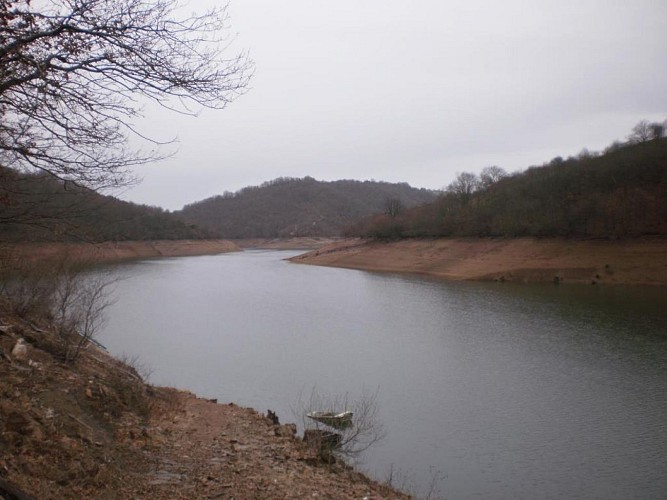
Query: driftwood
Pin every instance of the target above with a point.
(117, 366)
(10, 492)
(81, 423)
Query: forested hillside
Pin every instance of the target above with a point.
(621, 193)
(39, 207)
(288, 207)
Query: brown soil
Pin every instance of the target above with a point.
(94, 429)
(635, 262)
(302, 243)
(123, 250)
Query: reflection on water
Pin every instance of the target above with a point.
(496, 390)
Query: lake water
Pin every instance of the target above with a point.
(486, 390)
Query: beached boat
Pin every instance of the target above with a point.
(336, 420)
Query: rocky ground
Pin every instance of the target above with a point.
(94, 429)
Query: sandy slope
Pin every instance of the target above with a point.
(300, 243)
(123, 250)
(641, 261)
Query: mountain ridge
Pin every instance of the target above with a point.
(296, 207)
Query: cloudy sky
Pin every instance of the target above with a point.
(415, 91)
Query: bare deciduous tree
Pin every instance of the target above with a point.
(491, 175)
(640, 132)
(657, 130)
(59, 291)
(78, 305)
(393, 206)
(73, 75)
(25, 286)
(465, 184)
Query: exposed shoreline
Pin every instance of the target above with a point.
(299, 243)
(627, 262)
(110, 251)
(95, 426)
(94, 429)
(171, 444)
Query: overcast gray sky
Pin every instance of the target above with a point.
(416, 91)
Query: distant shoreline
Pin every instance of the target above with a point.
(298, 243)
(640, 261)
(122, 250)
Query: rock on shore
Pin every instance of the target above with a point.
(94, 429)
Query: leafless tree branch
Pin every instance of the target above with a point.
(74, 72)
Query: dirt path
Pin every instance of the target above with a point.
(640, 262)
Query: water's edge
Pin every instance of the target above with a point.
(503, 390)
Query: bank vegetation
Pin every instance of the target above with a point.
(619, 193)
(295, 208)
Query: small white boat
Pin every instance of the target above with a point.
(336, 420)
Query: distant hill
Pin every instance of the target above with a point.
(289, 207)
(619, 194)
(38, 207)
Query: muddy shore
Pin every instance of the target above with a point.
(628, 262)
(122, 250)
(301, 243)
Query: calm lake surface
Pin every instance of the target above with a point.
(486, 390)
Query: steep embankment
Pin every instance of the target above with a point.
(122, 250)
(94, 429)
(639, 261)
